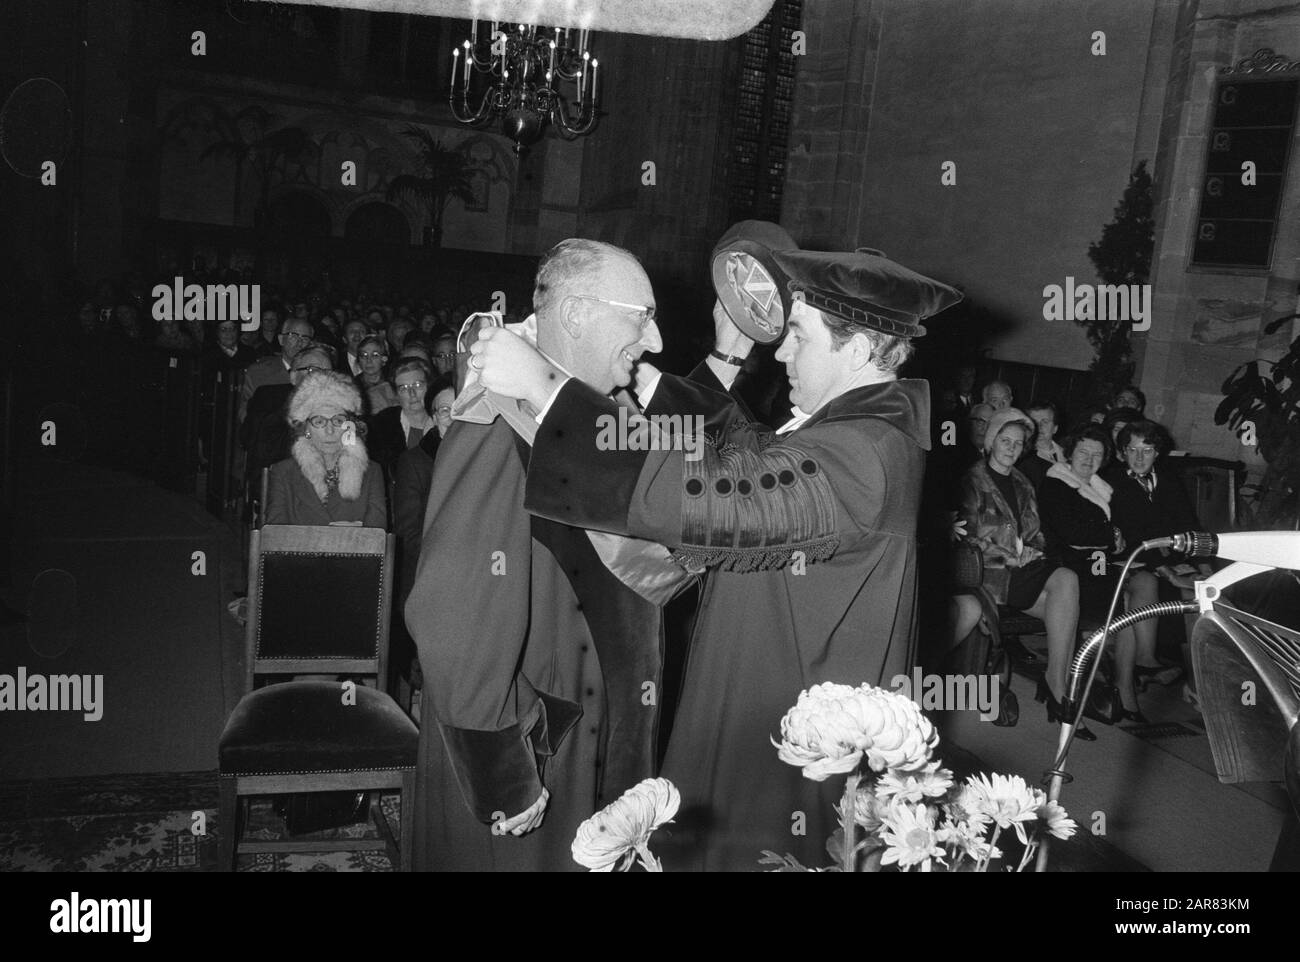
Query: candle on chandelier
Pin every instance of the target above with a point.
(474, 32)
(455, 60)
(468, 52)
(582, 76)
(550, 71)
(595, 66)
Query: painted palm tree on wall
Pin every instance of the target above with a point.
(248, 139)
(445, 174)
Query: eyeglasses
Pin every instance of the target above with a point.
(319, 421)
(1139, 451)
(310, 370)
(415, 387)
(295, 335)
(446, 356)
(647, 313)
(371, 354)
(443, 410)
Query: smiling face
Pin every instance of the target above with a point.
(817, 371)
(999, 397)
(1007, 447)
(603, 341)
(353, 334)
(1087, 457)
(1140, 455)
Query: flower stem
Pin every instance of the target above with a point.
(848, 821)
(993, 842)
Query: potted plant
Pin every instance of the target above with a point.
(445, 174)
(1262, 405)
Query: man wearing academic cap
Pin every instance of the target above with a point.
(809, 540)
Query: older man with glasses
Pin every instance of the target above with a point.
(293, 337)
(541, 666)
(265, 433)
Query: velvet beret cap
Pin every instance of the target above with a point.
(866, 288)
(750, 286)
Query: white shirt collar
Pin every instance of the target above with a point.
(795, 422)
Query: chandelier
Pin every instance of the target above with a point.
(517, 71)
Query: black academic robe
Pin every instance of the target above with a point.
(811, 545)
(540, 667)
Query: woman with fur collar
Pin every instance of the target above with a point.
(1000, 510)
(328, 479)
(1076, 508)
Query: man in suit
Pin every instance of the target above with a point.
(811, 539)
(265, 433)
(293, 337)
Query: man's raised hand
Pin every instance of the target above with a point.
(510, 366)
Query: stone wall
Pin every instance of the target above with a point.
(1209, 322)
(1041, 131)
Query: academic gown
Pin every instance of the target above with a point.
(810, 542)
(540, 667)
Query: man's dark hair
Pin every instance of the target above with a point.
(1148, 431)
(1045, 406)
(1133, 389)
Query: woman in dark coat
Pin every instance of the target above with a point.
(329, 479)
(1075, 502)
(398, 429)
(1000, 511)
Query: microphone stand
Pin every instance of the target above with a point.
(1075, 700)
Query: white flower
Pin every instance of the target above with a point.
(910, 837)
(866, 810)
(622, 829)
(832, 727)
(968, 836)
(1006, 799)
(932, 782)
(1055, 820)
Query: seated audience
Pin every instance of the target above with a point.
(328, 479)
(396, 429)
(354, 332)
(265, 433)
(1045, 451)
(372, 352)
(1151, 502)
(1075, 504)
(444, 350)
(1130, 397)
(1000, 512)
(1116, 420)
(997, 395)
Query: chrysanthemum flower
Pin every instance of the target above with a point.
(621, 830)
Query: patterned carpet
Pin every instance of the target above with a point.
(148, 823)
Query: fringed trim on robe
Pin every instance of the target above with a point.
(748, 511)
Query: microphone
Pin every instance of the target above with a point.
(1276, 549)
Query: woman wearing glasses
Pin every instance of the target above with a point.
(328, 479)
(395, 429)
(372, 354)
(1151, 502)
